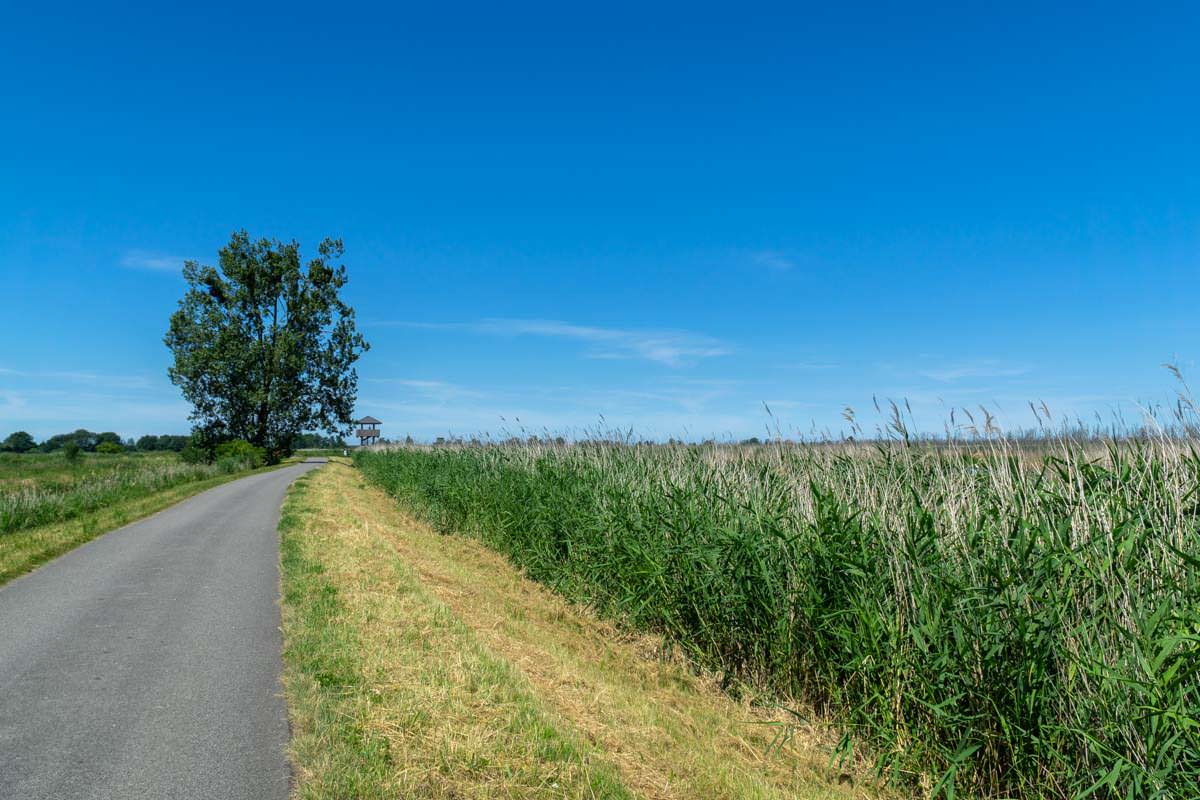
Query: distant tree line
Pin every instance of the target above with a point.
(110, 442)
(85, 440)
(315, 441)
(173, 442)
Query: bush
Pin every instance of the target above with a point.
(243, 451)
(229, 465)
(194, 454)
(110, 448)
(71, 451)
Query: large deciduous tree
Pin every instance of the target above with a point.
(264, 347)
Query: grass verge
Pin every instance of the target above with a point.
(421, 665)
(24, 550)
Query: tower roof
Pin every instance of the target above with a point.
(370, 421)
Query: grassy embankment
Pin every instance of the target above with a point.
(49, 505)
(419, 665)
(986, 619)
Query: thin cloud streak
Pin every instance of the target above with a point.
(985, 370)
(672, 348)
(773, 260)
(439, 390)
(152, 262)
(89, 378)
(810, 365)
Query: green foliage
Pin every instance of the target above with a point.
(194, 453)
(315, 441)
(107, 437)
(19, 442)
(241, 451)
(149, 444)
(81, 438)
(986, 620)
(109, 448)
(71, 451)
(264, 348)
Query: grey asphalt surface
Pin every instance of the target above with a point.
(146, 663)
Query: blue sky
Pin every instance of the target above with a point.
(666, 216)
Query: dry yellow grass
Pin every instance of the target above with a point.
(390, 695)
(482, 683)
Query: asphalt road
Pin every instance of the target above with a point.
(146, 663)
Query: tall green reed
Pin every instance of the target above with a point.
(985, 618)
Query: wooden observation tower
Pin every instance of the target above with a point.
(368, 431)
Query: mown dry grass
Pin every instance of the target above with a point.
(473, 681)
(390, 695)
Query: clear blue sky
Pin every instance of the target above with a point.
(663, 215)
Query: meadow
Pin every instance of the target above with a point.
(981, 618)
(39, 489)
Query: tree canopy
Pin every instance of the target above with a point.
(82, 438)
(19, 442)
(264, 347)
(150, 443)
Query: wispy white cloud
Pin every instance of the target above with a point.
(434, 390)
(773, 260)
(46, 412)
(88, 378)
(810, 365)
(669, 347)
(985, 369)
(152, 261)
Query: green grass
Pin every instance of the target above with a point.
(49, 506)
(38, 489)
(986, 619)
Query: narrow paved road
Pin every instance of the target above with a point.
(146, 663)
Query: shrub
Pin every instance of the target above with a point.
(71, 451)
(229, 465)
(109, 448)
(243, 451)
(194, 454)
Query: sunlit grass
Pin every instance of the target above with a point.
(49, 505)
(37, 489)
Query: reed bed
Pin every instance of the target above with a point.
(42, 489)
(985, 618)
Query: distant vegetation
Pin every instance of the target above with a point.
(315, 441)
(37, 489)
(985, 617)
(111, 443)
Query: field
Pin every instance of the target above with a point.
(49, 504)
(981, 619)
(419, 665)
